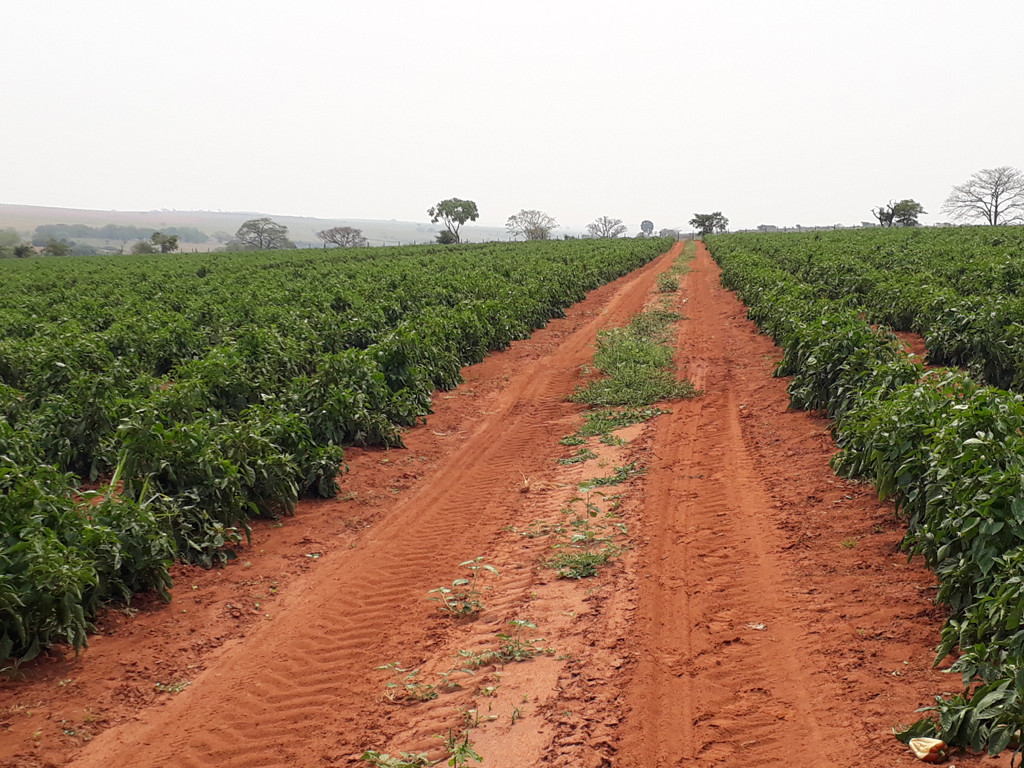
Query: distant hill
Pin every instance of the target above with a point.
(220, 225)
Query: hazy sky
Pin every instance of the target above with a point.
(791, 112)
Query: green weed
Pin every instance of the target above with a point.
(590, 543)
(667, 283)
(514, 647)
(404, 760)
(636, 364)
(604, 420)
(462, 598)
(407, 686)
(621, 475)
(582, 455)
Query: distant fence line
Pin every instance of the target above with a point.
(373, 242)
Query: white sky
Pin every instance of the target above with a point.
(791, 112)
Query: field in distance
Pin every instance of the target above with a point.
(221, 226)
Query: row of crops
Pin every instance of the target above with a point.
(960, 288)
(152, 405)
(945, 445)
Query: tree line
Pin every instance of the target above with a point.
(528, 223)
(452, 213)
(120, 232)
(990, 196)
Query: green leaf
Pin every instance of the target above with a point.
(1000, 738)
(923, 728)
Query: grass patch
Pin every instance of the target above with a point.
(682, 265)
(606, 420)
(588, 539)
(668, 283)
(602, 422)
(583, 454)
(636, 363)
(652, 324)
(621, 475)
(581, 564)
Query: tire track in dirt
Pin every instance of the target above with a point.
(710, 683)
(750, 643)
(298, 691)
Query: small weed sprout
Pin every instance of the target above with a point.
(404, 760)
(514, 647)
(583, 454)
(590, 543)
(538, 528)
(407, 686)
(448, 684)
(463, 753)
(172, 687)
(477, 659)
(460, 750)
(474, 718)
(462, 598)
(621, 475)
(612, 440)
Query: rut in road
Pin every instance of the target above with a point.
(750, 642)
(298, 691)
(722, 670)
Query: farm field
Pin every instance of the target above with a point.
(960, 288)
(758, 603)
(204, 391)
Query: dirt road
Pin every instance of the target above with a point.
(760, 609)
(778, 619)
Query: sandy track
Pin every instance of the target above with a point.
(762, 611)
(724, 671)
(777, 621)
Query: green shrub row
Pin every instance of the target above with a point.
(961, 288)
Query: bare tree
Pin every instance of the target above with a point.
(605, 226)
(902, 214)
(884, 214)
(531, 225)
(343, 237)
(993, 195)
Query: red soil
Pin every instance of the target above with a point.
(761, 611)
(914, 343)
